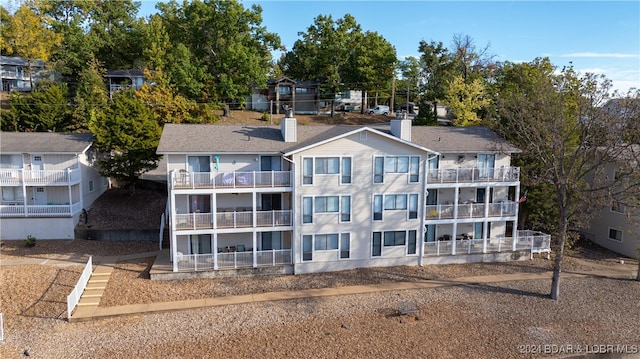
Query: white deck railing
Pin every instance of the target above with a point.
(473, 175)
(235, 219)
(253, 179)
(196, 262)
(17, 177)
(470, 210)
(74, 297)
(51, 210)
(536, 242)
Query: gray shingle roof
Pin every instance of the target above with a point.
(193, 138)
(44, 142)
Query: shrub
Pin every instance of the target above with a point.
(30, 241)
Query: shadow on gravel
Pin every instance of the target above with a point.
(497, 289)
(52, 303)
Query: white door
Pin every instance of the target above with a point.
(37, 166)
(39, 196)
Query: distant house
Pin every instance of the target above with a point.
(301, 96)
(15, 75)
(350, 100)
(46, 180)
(120, 80)
(618, 226)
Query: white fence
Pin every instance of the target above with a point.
(1, 329)
(74, 297)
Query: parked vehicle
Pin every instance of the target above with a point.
(379, 110)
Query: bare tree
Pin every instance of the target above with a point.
(571, 140)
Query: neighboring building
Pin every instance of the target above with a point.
(120, 80)
(14, 72)
(46, 180)
(617, 227)
(301, 96)
(350, 100)
(301, 199)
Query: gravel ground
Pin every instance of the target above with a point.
(501, 320)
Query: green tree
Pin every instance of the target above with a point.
(559, 123)
(128, 135)
(226, 41)
(436, 72)
(465, 99)
(91, 95)
(40, 111)
(27, 35)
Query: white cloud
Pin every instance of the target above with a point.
(601, 55)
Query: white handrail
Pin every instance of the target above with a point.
(74, 297)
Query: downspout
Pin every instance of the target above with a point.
(293, 214)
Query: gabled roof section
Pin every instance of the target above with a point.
(44, 142)
(124, 73)
(200, 138)
(19, 61)
(339, 132)
(289, 81)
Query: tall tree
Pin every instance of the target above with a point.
(28, 36)
(559, 123)
(436, 71)
(224, 39)
(465, 99)
(128, 135)
(91, 96)
(41, 111)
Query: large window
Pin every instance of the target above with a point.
(413, 206)
(345, 245)
(199, 163)
(307, 248)
(393, 239)
(486, 164)
(326, 204)
(200, 244)
(324, 242)
(326, 166)
(395, 202)
(377, 207)
(396, 164)
(615, 234)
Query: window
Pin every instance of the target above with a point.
(346, 170)
(394, 238)
(615, 234)
(200, 244)
(617, 206)
(307, 171)
(307, 210)
(377, 207)
(271, 240)
(345, 245)
(325, 242)
(198, 163)
(327, 165)
(307, 248)
(414, 169)
(345, 209)
(395, 202)
(270, 163)
(376, 247)
(413, 206)
(378, 170)
(326, 204)
(305, 90)
(91, 186)
(411, 247)
(284, 90)
(396, 164)
(486, 163)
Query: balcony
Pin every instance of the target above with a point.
(473, 175)
(235, 219)
(536, 242)
(470, 210)
(19, 177)
(233, 260)
(230, 180)
(17, 209)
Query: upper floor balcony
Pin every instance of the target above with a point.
(234, 219)
(18, 177)
(227, 180)
(471, 210)
(473, 175)
(20, 209)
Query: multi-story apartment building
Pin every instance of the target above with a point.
(300, 199)
(15, 75)
(46, 180)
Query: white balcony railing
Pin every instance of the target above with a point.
(536, 242)
(473, 175)
(470, 210)
(17, 177)
(52, 210)
(196, 262)
(235, 219)
(253, 179)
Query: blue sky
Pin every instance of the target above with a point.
(600, 37)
